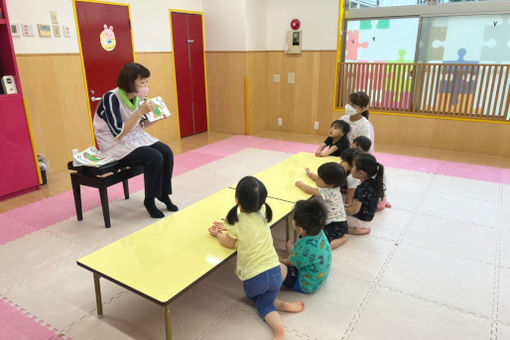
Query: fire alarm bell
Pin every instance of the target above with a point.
(294, 24)
(9, 85)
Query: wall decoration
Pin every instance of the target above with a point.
(44, 30)
(107, 38)
(15, 30)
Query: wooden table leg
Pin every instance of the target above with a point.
(287, 234)
(168, 325)
(99, 304)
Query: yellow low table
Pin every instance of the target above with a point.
(166, 258)
(280, 178)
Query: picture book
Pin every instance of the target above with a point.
(91, 157)
(160, 110)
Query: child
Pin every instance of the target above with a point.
(307, 267)
(258, 265)
(363, 143)
(352, 183)
(367, 194)
(336, 140)
(330, 177)
(356, 114)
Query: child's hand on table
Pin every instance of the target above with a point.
(217, 228)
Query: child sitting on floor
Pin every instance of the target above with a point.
(367, 194)
(337, 140)
(365, 144)
(307, 267)
(362, 142)
(352, 183)
(329, 179)
(258, 265)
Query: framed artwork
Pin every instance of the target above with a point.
(15, 30)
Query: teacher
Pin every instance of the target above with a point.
(119, 125)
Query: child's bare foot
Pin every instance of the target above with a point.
(358, 231)
(293, 307)
(279, 334)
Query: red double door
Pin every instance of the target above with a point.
(188, 52)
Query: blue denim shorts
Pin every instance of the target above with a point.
(263, 290)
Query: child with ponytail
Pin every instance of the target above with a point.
(258, 266)
(367, 194)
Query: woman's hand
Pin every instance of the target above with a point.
(146, 107)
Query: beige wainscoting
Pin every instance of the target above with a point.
(456, 135)
(54, 89)
(225, 85)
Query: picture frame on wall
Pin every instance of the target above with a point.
(44, 30)
(16, 30)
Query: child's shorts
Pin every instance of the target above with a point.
(292, 279)
(354, 222)
(263, 290)
(335, 230)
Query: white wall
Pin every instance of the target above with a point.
(151, 23)
(230, 25)
(319, 22)
(256, 25)
(225, 27)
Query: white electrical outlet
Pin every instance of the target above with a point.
(280, 122)
(316, 125)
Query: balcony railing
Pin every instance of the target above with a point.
(478, 91)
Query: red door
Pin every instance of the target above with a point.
(106, 45)
(188, 52)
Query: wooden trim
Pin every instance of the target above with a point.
(439, 117)
(269, 51)
(46, 54)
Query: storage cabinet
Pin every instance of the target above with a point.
(18, 168)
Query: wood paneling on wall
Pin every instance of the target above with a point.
(258, 81)
(310, 99)
(477, 137)
(162, 83)
(54, 90)
(225, 85)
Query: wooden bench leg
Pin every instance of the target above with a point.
(126, 188)
(97, 287)
(168, 325)
(77, 197)
(103, 194)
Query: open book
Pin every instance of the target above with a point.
(160, 110)
(91, 157)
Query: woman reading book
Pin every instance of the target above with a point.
(119, 125)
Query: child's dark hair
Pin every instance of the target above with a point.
(363, 142)
(360, 99)
(332, 173)
(310, 215)
(129, 73)
(373, 169)
(349, 154)
(251, 195)
(342, 125)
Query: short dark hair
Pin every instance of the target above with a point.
(342, 125)
(360, 99)
(129, 73)
(332, 173)
(349, 154)
(310, 215)
(363, 142)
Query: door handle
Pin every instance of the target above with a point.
(95, 99)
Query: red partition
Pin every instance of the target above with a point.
(189, 72)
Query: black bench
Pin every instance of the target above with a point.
(101, 178)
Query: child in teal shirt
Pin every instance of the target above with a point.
(307, 267)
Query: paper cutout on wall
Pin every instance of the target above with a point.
(107, 38)
(353, 44)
